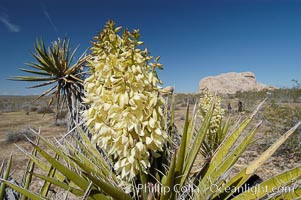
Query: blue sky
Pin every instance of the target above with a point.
(195, 39)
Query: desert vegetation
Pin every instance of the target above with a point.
(20, 135)
(18, 103)
(132, 139)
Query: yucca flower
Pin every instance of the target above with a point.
(213, 135)
(125, 116)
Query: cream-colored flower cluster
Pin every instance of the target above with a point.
(204, 106)
(125, 113)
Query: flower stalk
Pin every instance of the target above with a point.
(125, 114)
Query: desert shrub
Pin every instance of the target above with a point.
(25, 107)
(30, 108)
(282, 95)
(177, 107)
(180, 104)
(183, 104)
(18, 103)
(9, 109)
(61, 122)
(44, 109)
(61, 114)
(33, 108)
(183, 98)
(280, 118)
(18, 136)
(182, 118)
(282, 111)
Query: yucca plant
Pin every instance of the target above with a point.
(138, 158)
(125, 115)
(55, 67)
(217, 128)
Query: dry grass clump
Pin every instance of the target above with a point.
(61, 118)
(182, 98)
(181, 104)
(18, 136)
(45, 109)
(33, 108)
(61, 122)
(30, 108)
(62, 114)
(182, 118)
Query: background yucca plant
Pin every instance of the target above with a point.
(55, 67)
(218, 129)
(82, 170)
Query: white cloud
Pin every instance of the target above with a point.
(48, 17)
(11, 27)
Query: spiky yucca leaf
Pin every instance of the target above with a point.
(280, 182)
(169, 182)
(294, 193)
(46, 186)
(180, 164)
(27, 178)
(216, 170)
(198, 140)
(59, 184)
(224, 148)
(76, 171)
(54, 67)
(247, 172)
(23, 191)
(5, 177)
